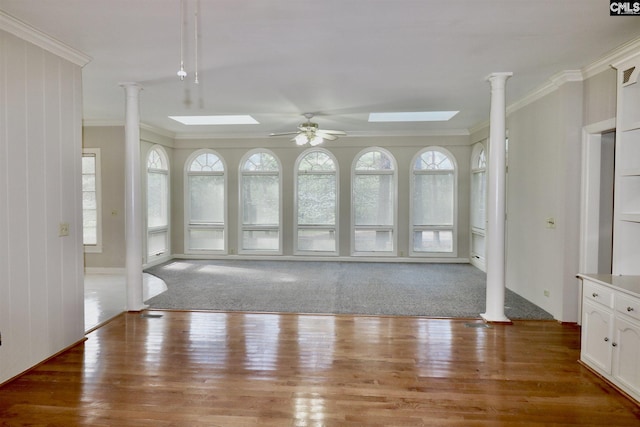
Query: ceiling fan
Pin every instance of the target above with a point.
(309, 133)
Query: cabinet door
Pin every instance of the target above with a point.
(597, 336)
(626, 354)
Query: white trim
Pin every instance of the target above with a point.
(149, 230)
(394, 226)
(158, 261)
(157, 130)
(352, 134)
(590, 198)
(187, 203)
(241, 226)
(97, 248)
(476, 259)
(255, 257)
(590, 194)
(32, 35)
(119, 271)
(613, 58)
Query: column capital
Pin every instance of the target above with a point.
(130, 85)
(499, 76)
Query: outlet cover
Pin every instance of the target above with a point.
(64, 229)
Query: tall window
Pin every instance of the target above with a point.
(373, 203)
(91, 200)
(316, 202)
(205, 203)
(260, 203)
(478, 204)
(433, 203)
(157, 203)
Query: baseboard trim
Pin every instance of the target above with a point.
(26, 371)
(105, 270)
(422, 260)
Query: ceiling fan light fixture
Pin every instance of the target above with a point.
(316, 140)
(301, 139)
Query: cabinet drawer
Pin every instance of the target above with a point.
(628, 305)
(596, 293)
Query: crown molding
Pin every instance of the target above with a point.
(612, 58)
(157, 130)
(32, 35)
(603, 64)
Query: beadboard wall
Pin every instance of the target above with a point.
(41, 272)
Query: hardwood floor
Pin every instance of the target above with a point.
(239, 369)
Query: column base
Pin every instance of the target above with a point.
(496, 319)
(139, 309)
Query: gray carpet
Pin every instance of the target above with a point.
(434, 290)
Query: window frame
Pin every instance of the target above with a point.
(335, 226)
(158, 229)
(477, 259)
(241, 226)
(97, 248)
(188, 225)
(394, 227)
(412, 225)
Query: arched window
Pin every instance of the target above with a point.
(205, 204)
(433, 211)
(157, 203)
(260, 203)
(373, 203)
(316, 202)
(478, 205)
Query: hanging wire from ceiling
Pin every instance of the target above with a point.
(195, 19)
(181, 72)
(196, 35)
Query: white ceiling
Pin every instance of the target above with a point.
(342, 59)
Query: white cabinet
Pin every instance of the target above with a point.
(611, 329)
(597, 333)
(626, 353)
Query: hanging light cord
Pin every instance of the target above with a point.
(181, 72)
(196, 17)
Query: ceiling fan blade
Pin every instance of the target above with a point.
(283, 133)
(332, 132)
(327, 136)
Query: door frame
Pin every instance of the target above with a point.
(590, 196)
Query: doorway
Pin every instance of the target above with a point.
(598, 170)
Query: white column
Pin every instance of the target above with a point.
(496, 201)
(133, 198)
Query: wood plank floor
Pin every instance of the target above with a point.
(239, 369)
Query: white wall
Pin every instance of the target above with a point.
(41, 279)
(544, 182)
(110, 141)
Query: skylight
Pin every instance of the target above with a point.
(215, 120)
(416, 116)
